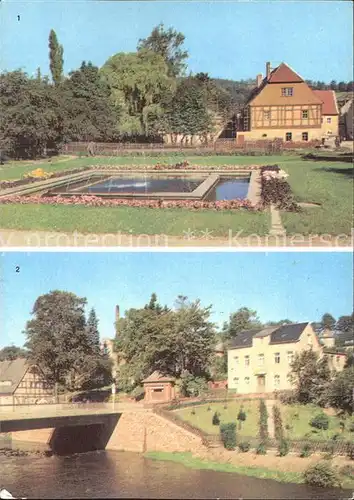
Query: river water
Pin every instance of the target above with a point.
(129, 475)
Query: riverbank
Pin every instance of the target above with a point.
(17, 452)
(287, 469)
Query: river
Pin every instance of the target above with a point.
(129, 475)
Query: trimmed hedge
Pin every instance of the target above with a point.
(228, 435)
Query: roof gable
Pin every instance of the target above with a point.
(284, 74)
(156, 376)
(288, 333)
(12, 371)
(328, 98)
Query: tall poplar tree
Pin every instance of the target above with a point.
(55, 58)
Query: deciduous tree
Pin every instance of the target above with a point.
(169, 44)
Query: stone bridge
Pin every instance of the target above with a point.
(75, 428)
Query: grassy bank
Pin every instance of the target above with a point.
(188, 460)
(202, 418)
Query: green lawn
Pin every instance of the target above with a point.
(203, 418)
(130, 220)
(299, 416)
(15, 170)
(331, 185)
(327, 183)
(188, 460)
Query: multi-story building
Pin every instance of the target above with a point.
(259, 361)
(283, 106)
(23, 383)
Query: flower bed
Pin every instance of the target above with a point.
(182, 166)
(275, 190)
(29, 179)
(97, 201)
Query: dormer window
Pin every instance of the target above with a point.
(287, 91)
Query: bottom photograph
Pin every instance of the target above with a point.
(176, 375)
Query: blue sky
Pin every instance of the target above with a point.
(224, 38)
(300, 286)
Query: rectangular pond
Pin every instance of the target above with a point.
(210, 187)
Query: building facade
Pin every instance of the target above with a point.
(283, 106)
(23, 383)
(259, 361)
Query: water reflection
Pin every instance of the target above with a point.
(129, 475)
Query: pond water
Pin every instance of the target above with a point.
(129, 475)
(225, 189)
(229, 189)
(141, 185)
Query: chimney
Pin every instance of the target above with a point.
(259, 80)
(117, 313)
(268, 70)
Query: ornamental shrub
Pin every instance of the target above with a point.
(244, 446)
(320, 421)
(283, 447)
(306, 451)
(216, 419)
(261, 448)
(278, 423)
(228, 435)
(263, 421)
(322, 474)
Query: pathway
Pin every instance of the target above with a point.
(269, 404)
(48, 239)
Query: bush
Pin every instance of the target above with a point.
(278, 423)
(216, 419)
(287, 397)
(306, 451)
(320, 421)
(283, 447)
(228, 435)
(138, 392)
(193, 411)
(241, 415)
(351, 427)
(261, 448)
(350, 450)
(347, 470)
(323, 475)
(244, 446)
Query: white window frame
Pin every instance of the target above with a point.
(287, 91)
(260, 359)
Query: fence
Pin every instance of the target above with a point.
(219, 146)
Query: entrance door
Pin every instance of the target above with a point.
(261, 383)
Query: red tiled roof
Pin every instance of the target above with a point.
(329, 100)
(284, 74)
(156, 376)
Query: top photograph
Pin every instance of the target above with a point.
(176, 124)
